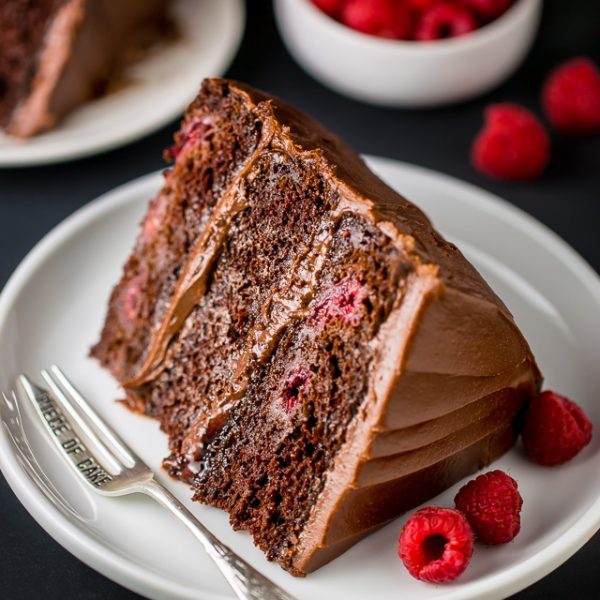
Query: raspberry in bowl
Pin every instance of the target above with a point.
(409, 53)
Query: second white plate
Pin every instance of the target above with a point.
(160, 88)
(52, 311)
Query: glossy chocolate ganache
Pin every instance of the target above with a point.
(321, 359)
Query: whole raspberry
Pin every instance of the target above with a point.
(383, 18)
(329, 7)
(436, 544)
(512, 145)
(571, 97)
(487, 10)
(492, 505)
(444, 20)
(556, 429)
(422, 5)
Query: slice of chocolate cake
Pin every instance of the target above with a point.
(321, 358)
(55, 54)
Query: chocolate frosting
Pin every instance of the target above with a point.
(451, 370)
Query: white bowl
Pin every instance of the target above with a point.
(405, 73)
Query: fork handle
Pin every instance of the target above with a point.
(245, 580)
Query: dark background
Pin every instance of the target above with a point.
(566, 199)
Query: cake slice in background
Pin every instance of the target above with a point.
(320, 357)
(56, 54)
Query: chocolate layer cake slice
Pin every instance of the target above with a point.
(320, 357)
(55, 54)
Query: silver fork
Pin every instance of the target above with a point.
(108, 465)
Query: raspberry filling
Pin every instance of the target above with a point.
(291, 393)
(198, 132)
(154, 218)
(346, 302)
(132, 297)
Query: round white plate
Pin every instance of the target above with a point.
(52, 310)
(160, 88)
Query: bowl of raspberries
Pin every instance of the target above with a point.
(409, 53)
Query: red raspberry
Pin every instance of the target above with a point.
(295, 384)
(154, 218)
(512, 145)
(487, 10)
(571, 97)
(444, 20)
(197, 132)
(556, 429)
(492, 504)
(345, 302)
(132, 296)
(383, 18)
(422, 5)
(436, 544)
(329, 7)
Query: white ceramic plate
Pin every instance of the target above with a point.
(161, 87)
(52, 310)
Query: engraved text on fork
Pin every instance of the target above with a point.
(71, 444)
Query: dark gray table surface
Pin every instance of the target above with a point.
(566, 199)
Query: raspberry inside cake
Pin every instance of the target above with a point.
(320, 357)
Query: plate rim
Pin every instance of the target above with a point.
(120, 139)
(135, 577)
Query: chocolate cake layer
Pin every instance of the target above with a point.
(216, 140)
(266, 464)
(320, 357)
